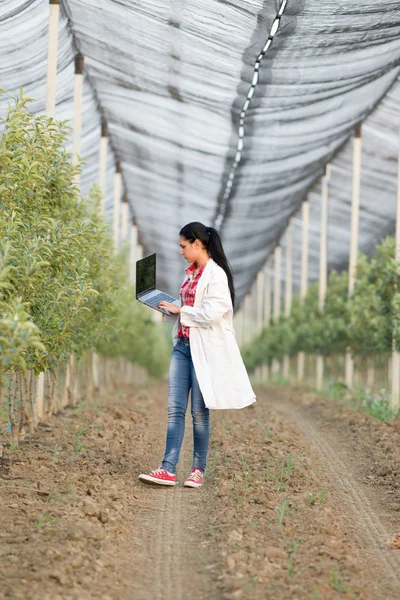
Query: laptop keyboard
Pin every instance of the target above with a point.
(160, 298)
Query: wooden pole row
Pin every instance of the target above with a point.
(355, 218)
(394, 367)
(323, 263)
(121, 219)
(305, 210)
(395, 370)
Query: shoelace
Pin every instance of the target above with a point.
(196, 475)
(158, 471)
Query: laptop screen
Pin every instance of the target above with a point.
(146, 274)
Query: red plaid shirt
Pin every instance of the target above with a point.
(188, 293)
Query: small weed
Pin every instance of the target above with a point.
(314, 595)
(289, 465)
(281, 512)
(311, 499)
(45, 517)
(210, 468)
(292, 555)
(285, 473)
(266, 430)
(322, 494)
(63, 494)
(238, 494)
(336, 582)
(314, 498)
(268, 468)
(77, 442)
(211, 530)
(78, 445)
(379, 405)
(246, 472)
(56, 452)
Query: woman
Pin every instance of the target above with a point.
(206, 358)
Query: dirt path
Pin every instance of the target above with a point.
(362, 516)
(364, 508)
(77, 524)
(289, 510)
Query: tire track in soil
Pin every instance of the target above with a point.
(168, 555)
(168, 550)
(357, 509)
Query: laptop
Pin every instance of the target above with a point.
(146, 291)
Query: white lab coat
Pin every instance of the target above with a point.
(219, 367)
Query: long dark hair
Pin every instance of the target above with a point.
(211, 240)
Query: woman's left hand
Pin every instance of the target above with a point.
(172, 308)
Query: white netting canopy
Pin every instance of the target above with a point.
(171, 78)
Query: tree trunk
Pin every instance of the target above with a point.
(28, 402)
(53, 403)
(22, 405)
(12, 394)
(33, 399)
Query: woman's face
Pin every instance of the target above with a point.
(191, 252)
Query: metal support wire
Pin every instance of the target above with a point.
(240, 143)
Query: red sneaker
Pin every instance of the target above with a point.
(195, 479)
(159, 476)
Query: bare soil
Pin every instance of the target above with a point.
(300, 499)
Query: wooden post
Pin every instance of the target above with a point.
(95, 373)
(355, 212)
(139, 251)
(77, 132)
(277, 284)
(267, 311)
(288, 288)
(277, 296)
(370, 372)
(323, 262)
(125, 219)
(246, 318)
(395, 370)
(267, 294)
(304, 275)
(117, 202)
(259, 315)
(67, 385)
(245, 323)
(260, 290)
(39, 398)
(134, 240)
(103, 164)
(52, 58)
(238, 326)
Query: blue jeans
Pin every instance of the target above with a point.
(181, 379)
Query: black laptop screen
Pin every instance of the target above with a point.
(146, 274)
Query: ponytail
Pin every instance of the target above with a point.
(211, 240)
